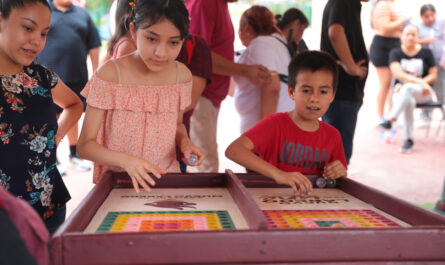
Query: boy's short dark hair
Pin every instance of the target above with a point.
(313, 61)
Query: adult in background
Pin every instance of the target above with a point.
(414, 70)
(71, 38)
(431, 34)
(266, 45)
(387, 24)
(210, 19)
(342, 37)
(292, 24)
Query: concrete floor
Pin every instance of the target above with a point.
(415, 177)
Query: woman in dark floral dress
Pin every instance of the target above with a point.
(29, 131)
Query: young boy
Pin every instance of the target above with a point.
(285, 146)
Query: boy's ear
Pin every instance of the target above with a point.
(290, 92)
(333, 96)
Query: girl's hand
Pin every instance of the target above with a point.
(298, 182)
(139, 169)
(334, 170)
(193, 156)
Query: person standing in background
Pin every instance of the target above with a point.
(342, 37)
(292, 24)
(210, 19)
(71, 38)
(431, 34)
(388, 26)
(265, 45)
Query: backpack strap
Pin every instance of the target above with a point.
(190, 44)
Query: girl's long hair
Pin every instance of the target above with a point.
(123, 10)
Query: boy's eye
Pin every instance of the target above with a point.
(306, 90)
(324, 91)
(174, 43)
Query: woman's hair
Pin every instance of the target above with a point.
(290, 16)
(260, 19)
(427, 7)
(312, 61)
(146, 13)
(123, 10)
(6, 6)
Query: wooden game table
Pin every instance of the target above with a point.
(247, 230)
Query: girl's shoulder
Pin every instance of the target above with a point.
(109, 71)
(183, 73)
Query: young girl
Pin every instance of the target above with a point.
(121, 42)
(135, 103)
(29, 131)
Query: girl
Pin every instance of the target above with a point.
(29, 131)
(292, 24)
(121, 42)
(135, 103)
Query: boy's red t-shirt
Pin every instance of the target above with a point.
(280, 142)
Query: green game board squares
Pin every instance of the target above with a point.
(326, 223)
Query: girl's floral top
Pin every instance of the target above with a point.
(140, 120)
(28, 127)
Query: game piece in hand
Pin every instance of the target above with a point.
(193, 159)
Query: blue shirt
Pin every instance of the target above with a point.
(71, 36)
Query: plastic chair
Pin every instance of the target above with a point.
(433, 105)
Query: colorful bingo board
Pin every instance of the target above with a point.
(324, 208)
(167, 209)
(326, 219)
(166, 221)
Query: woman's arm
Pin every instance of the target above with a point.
(72, 108)
(270, 94)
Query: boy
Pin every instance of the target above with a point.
(284, 146)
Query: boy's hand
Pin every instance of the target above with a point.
(139, 169)
(193, 156)
(334, 170)
(298, 182)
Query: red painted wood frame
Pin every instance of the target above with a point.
(423, 242)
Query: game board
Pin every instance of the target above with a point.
(323, 208)
(231, 219)
(166, 221)
(326, 219)
(166, 209)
